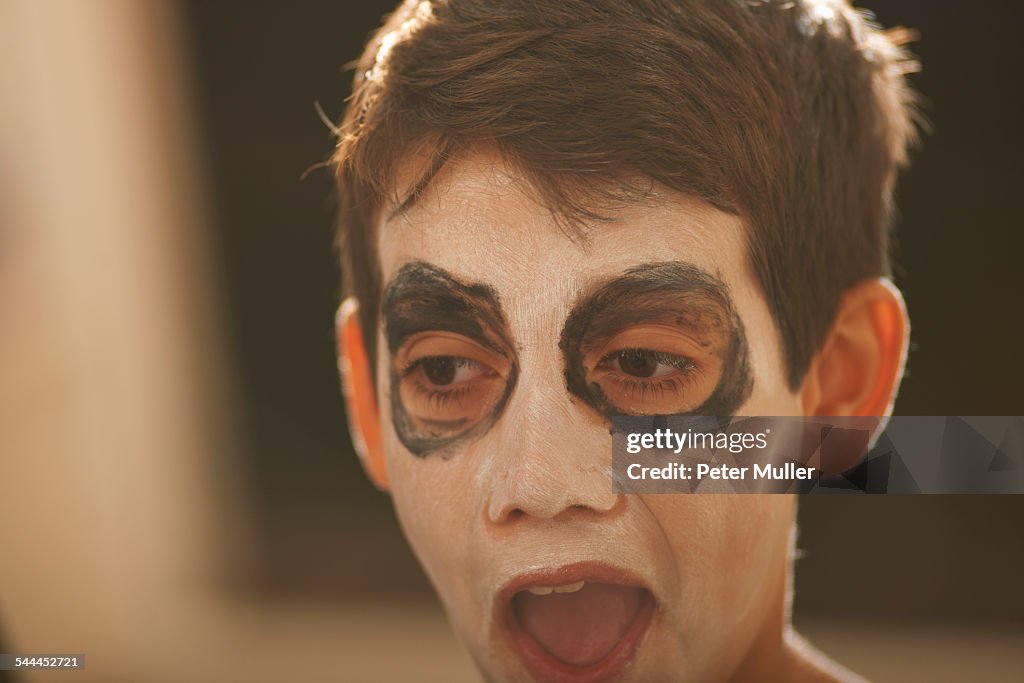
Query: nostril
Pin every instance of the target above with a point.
(515, 514)
(506, 514)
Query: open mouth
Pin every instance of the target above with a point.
(582, 623)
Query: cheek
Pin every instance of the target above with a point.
(434, 501)
(440, 511)
(730, 552)
(437, 506)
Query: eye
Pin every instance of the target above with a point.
(648, 382)
(653, 370)
(446, 384)
(444, 371)
(644, 363)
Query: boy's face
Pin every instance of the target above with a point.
(505, 345)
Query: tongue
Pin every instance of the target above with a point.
(579, 628)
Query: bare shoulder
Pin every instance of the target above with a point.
(810, 665)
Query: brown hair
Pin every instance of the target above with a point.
(794, 115)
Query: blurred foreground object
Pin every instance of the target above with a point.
(111, 400)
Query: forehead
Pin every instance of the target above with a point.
(479, 221)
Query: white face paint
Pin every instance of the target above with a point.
(682, 588)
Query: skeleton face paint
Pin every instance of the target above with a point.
(660, 339)
(504, 346)
(452, 366)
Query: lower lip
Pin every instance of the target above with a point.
(542, 666)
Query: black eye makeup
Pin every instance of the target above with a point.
(453, 365)
(661, 339)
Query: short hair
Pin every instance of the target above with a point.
(794, 115)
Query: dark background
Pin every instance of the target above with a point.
(321, 530)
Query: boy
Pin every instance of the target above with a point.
(553, 212)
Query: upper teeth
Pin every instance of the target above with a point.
(548, 590)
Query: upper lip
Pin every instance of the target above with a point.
(596, 572)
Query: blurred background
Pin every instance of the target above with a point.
(178, 496)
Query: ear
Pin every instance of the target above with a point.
(360, 392)
(858, 370)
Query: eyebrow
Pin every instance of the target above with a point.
(677, 293)
(423, 297)
(674, 293)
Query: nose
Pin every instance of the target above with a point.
(550, 459)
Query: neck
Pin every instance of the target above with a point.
(779, 653)
(768, 658)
